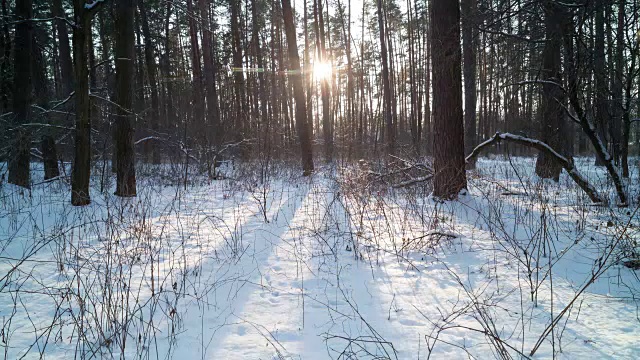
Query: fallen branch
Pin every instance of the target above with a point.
(413, 181)
(148, 138)
(541, 146)
(409, 166)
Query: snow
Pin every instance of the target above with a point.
(92, 4)
(321, 267)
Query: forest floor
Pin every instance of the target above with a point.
(267, 264)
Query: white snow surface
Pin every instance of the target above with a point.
(325, 267)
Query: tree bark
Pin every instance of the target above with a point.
(553, 130)
(602, 110)
(449, 163)
(620, 130)
(469, 54)
(125, 36)
(386, 84)
(5, 38)
(66, 67)
(42, 95)
(327, 128)
(296, 78)
(20, 152)
(81, 171)
(213, 107)
(152, 72)
(198, 97)
(238, 77)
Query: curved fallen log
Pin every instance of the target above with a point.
(539, 145)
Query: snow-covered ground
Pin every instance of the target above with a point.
(272, 265)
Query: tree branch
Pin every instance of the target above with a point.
(541, 146)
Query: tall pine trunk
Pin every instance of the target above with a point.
(125, 168)
(298, 89)
(553, 131)
(449, 164)
(386, 82)
(66, 68)
(20, 152)
(81, 171)
(469, 54)
(602, 90)
(150, 59)
(213, 108)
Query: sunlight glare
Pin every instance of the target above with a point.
(322, 70)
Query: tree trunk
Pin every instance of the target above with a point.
(42, 95)
(298, 89)
(125, 36)
(414, 86)
(66, 68)
(196, 67)
(255, 36)
(20, 152)
(428, 119)
(620, 132)
(82, 152)
(5, 38)
(171, 119)
(213, 108)
(449, 163)
(469, 54)
(386, 85)
(152, 72)
(552, 111)
(238, 76)
(602, 111)
(587, 127)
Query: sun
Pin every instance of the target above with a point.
(322, 70)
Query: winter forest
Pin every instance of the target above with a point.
(319, 179)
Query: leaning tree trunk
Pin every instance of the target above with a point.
(298, 89)
(553, 99)
(449, 164)
(581, 117)
(19, 155)
(566, 163)
(125, 167)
